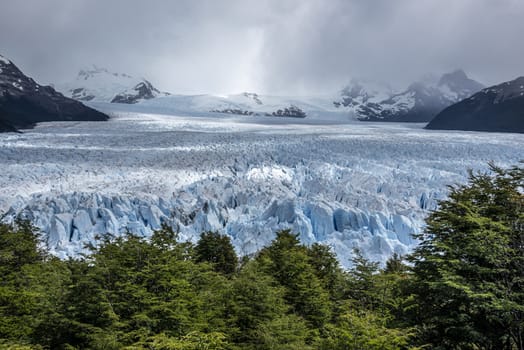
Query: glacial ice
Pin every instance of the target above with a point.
(341, 183)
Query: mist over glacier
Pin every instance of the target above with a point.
(342, 183)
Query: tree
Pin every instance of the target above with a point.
(469, 267)
(190, 341)
(362, 280)
(393, 284)
(217, 250)
(327, 269)
(148, 285)
(255, 299)
(87, 315)
(288, 262)
(288, 332)
(395, 265)
(19, 255)
(19, 246)
(363, 330)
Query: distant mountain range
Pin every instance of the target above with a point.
(100, 85)
(420, 102)
(497, 108)
(23, 102)
(362, 100)
(453, 101)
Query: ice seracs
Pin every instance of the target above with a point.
(344, 184)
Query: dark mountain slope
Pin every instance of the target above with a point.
(23, 102)
(497, 108)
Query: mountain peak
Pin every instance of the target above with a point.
(4, 61)
(457, 74)
(496, 108)
(97, 83)
(252, 95)
(459, 78)
(91, 72)
(23, 102)
(360, 91)
(144, 90)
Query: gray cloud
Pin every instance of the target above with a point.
(291, 46)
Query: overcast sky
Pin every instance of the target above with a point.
(268, 46)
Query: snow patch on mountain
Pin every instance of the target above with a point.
(99, 84)
(506, 91)
(359, 92)
(247, 104)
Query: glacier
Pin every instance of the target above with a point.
(335, 181)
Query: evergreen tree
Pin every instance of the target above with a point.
(288, 332)
(19, 246)
(356, 330)
(469, 267)
(255, 300)
(362, 281)
(327, 268)
(217, 250)
(392, 284)
(288, 262)
(19, 256)
(395, 265)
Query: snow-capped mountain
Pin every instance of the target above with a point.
(497, 108)
(360, 92)
(23, 102)
(420, 102)
(99, 84)
(142, 91)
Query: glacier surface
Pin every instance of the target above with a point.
(338, 182)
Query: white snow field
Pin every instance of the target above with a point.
(341, 183)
